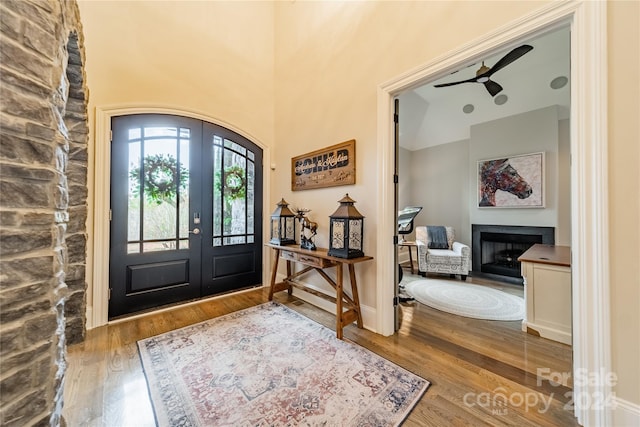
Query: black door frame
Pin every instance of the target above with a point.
(200, 203)
(216, 281)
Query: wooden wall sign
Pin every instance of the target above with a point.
(328, 167)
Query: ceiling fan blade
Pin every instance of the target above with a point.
(508, 59)
(472, 80)
(493, 87)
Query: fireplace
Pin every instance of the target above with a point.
(496, 248)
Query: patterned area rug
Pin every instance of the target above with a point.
(270, 366)
(478, 302)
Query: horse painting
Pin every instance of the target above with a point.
(500, 175)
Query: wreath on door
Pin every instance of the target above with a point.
(235, 183)
(162, 176)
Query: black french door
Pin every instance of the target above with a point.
(186, 212)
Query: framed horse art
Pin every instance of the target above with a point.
(512, 182)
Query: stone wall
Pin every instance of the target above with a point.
(43, 205)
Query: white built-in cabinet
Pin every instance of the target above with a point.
(546, 270)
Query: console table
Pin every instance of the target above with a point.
(347, 307)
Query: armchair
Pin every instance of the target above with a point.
(450, 257)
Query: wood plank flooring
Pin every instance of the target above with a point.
(481, 372)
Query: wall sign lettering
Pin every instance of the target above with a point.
(328, 167)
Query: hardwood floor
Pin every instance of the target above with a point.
(481, 372)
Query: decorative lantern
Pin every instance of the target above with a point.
(283, 225)
(346, 230)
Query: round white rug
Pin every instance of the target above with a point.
(478, 302)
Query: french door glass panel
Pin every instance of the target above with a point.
(158, 199)
(233, 193)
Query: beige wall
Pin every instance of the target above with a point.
(213, 58)
(563, 232)
(300, 76)
(405, 182)
(330, 58)
(440, 184)
(624, 193)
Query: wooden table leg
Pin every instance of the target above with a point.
(274, 271)
(354, 293)
(289, 272)
(411, 258)
(339, 324)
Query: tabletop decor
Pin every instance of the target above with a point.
(346, 230)
(306, 242)
(283, 225)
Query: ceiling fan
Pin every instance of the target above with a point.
(484, 73)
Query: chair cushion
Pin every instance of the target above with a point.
(443, 256)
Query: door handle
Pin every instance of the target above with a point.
(195, 231)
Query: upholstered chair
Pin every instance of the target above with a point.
(440, 254)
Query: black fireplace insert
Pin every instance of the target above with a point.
(496, 248)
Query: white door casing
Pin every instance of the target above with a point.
(589, 179)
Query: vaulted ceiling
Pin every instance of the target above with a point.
(431, 116)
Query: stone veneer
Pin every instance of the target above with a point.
(43, 205)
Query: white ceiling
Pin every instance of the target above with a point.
(432, 116)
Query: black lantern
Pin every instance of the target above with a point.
(346, 230)
(283, 225)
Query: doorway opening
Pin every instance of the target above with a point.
(446, 149)
(443, 144)
(589, 237)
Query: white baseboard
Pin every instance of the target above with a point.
(625, 414)
(548, 332)
(89, 320)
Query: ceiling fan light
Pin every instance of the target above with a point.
(483, 79)
(468, 109)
